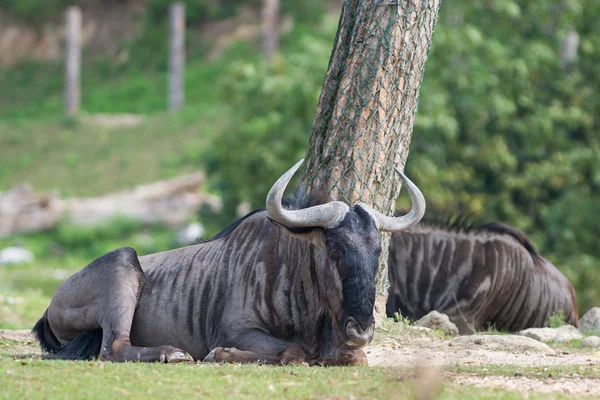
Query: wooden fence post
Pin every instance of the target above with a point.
(269, 27)
(73, 61)
(176, 56)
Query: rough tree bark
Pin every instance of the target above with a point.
(365, 114)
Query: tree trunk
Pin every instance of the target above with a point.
(365, 114)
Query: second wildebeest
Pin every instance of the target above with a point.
(282, 285)
(481, 276)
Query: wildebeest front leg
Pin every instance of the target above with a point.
(259, 347)
(103, 296)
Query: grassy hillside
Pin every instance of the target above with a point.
(83, 159)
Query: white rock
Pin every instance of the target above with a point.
(590, 322)
(190, 234)
(565, 333)
(15, 255)
(437, 320)
(420, 328)
(591, 341)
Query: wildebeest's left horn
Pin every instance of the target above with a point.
(393, 224)
(325, 215)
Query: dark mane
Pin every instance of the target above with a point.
(227, 231)
(300, 200)
(469, 223)
(500, 228)
(454, 223)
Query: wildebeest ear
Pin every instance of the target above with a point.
(313, 234)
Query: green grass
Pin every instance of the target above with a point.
(39, 379)
(21, 309)
(557, 320)
(86, 160)
(35, 90)
(31, 378)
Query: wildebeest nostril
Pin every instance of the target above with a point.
(357, 334)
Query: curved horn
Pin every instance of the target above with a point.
(393, 224)
(326, 215)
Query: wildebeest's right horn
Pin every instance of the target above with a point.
(325, 215)
(393, 224)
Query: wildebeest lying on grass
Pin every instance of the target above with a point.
(281, 285)
(480, 276)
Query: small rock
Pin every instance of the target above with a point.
(591, 341)
(437, 320)
(420, 328)
(564, 338)
(562, 334)
(590, 322)
(15, 255)
(190, 234)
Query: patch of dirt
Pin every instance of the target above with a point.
(23, 335)
(15, 343)
(113, 120)
(420, 350)
(472, 350)
(570, 386)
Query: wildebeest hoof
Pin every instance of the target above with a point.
(178, 356)
(220, 354)
(211, 356)
(353, 357)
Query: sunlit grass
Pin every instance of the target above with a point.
(81, 159)
(31, 378)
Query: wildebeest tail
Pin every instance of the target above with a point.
(85, 347)
(42, 332)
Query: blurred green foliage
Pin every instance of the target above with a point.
(274, 107)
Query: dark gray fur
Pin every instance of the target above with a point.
(480, 276)
(277, 294)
